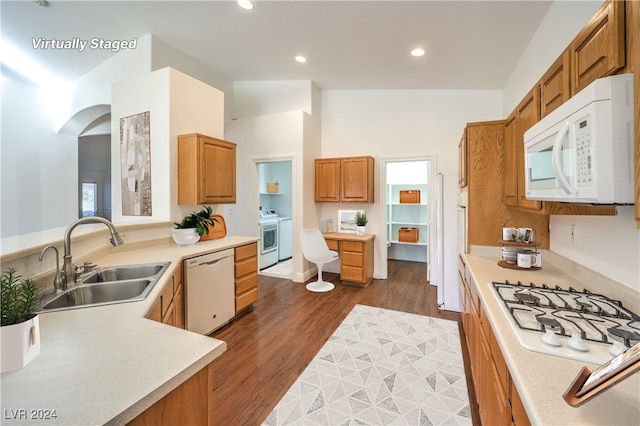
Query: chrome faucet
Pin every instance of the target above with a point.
(68, 268)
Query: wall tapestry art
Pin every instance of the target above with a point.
(135, 165)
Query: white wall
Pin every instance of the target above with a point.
(255, 98)
(177, 104)
(608, 245)
(163, 55)
(398, 124)
(562, 23)
(42, 160)
(39, 167)
(286, 136)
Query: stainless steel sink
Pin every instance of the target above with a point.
(100, 294)
(120, 273)
(106, 286)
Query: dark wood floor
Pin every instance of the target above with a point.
(269, 347)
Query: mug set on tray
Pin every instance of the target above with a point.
(521, 256)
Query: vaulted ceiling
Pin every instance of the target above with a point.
(348, 44)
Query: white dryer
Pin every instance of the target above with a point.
(285, 235)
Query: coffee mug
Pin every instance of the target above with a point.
(529, 258)
(536, 260)
(509, 234)
(524, 260)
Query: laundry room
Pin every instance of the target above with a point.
(275, 218)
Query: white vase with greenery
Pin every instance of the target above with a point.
(361, 223)
(20, 330)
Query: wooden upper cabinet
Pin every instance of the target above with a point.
(555, 84)
(463, 171)
(206, 170)
(328, 179)
(527, 114)
(599, 48)
(486, 212)
(356, 179)
(344, 179)
(510, 163)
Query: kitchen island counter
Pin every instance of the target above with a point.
(108, 364)
(541, 379)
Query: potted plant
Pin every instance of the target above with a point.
(20, 326)
(193, 226)
(361, 222)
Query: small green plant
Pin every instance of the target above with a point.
(201, 220)
(361, 218)
(19, 297)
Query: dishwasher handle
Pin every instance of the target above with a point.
(209, 259)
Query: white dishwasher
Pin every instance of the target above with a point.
(210, 291)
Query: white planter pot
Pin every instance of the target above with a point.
(361, 230)
(185, 237)
(20, 344)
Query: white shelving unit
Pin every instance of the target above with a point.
(405, 215)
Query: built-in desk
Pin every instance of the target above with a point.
(356, 256)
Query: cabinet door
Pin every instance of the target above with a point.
(178, 302)
(178, 298)
(462, 160)
(218, 163)
(356, 179)
(598, 49)
(328, 179)
(527, 114)
(555, 87)
(510, 163)
(485, 208)
(206, 170)
(518, 412)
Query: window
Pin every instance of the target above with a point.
(89, 199)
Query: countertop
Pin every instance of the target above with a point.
(107, 364)
(542, 379)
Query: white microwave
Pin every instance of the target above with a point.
(582, 152)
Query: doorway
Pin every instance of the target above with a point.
(408, 210)
(94, 176)
(275, 201)
(407, 195)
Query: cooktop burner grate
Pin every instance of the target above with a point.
(575, 324)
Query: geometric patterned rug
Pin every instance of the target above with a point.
(381, 367)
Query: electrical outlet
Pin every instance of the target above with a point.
(574, 234)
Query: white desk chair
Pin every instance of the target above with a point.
(315, 249)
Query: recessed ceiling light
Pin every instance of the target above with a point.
(301, 59)
(245, 4)
(417, 52)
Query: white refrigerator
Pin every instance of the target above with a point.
(443, 264)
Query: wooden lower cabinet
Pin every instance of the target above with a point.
(246, 276)
(188, 404)
(169, 306)
(356, 256)
(497, 398)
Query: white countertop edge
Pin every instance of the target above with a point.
(541, 379)
(162, 391)
(90, 330)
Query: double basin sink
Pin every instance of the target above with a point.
(108, 285)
